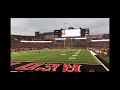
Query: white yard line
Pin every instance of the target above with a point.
(99, 60)
(72, 57)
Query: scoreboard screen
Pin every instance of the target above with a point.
(70, 33)
(57, 32)
(84, 31)
(87, 31)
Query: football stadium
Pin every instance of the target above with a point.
(63, 50)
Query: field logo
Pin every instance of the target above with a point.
(69, 68)
(29, 66)
(48, 67)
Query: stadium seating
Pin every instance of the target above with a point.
(16, 45)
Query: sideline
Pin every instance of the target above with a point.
(98, 60)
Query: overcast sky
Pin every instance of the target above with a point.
(28, 26)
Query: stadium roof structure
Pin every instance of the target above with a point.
(106, 36)
(97, 36)
(100, 40)
(23, 35)
(48, 33)
(70, 38)
(36, 41)
(60, 38)
(81, 38)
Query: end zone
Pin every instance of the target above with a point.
(55, 67)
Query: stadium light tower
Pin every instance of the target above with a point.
(65, 25)
(65, 28)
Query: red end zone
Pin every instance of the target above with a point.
(54, 67)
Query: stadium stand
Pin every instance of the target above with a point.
(16, 45)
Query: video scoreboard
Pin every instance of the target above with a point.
(66, 33)
(70, 33)
(57, 32)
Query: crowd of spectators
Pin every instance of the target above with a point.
(98, 50)
(99, 44)
(16, 45)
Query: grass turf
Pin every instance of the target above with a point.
(81, 56)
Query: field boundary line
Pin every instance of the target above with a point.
(99, 60)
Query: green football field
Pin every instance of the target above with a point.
(81, 56)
